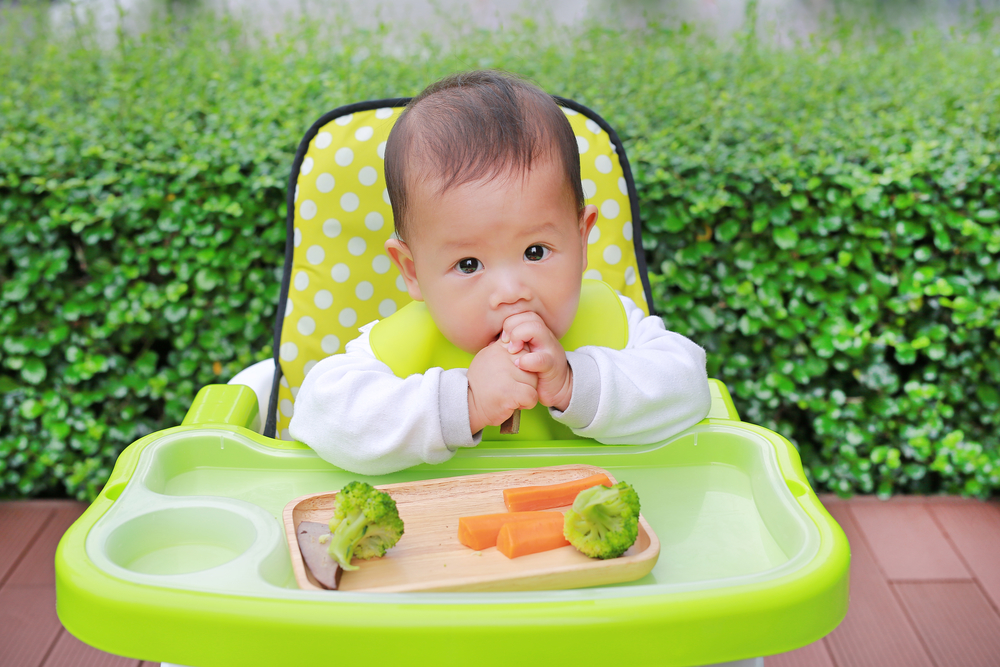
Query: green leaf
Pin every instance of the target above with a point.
(786, 237)
(33, 371)
(987, 215)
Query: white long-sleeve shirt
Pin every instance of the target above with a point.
(355, 413)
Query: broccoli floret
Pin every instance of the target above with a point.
(603, 522)
(365, 524)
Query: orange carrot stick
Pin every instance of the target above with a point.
(479, 532)
(520, 538)
(527, 498)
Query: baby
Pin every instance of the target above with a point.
(483, 172)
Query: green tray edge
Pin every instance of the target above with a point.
(676, 630)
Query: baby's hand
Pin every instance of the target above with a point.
(497, 387)
(538, 351)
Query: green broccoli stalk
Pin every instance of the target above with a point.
(603, 522)
(365, 524)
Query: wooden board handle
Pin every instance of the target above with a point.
(512, 424)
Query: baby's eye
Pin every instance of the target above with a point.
(536, 253)
(469, 265)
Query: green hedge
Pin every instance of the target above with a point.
(823, 219)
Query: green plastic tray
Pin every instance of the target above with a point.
(183, 558)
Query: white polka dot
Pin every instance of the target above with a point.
(374, 221)
(592, 126)
(285, 435)
(364, 133)
(400, 284)
(611, 145)
(381, 264)
(350, 202)
(301, 280)
(589, 188)
(623, 186)
(295, 392)
(289, 351)
(381, 150)
(344, 120)
(296, 192)
(630, 275)
(610, 209)
(284, 382)
(344, 156)
(595, 235)
(383, 113)
(286, 407)
(325, 182)
(603, 164)
(306, 326)
(627, 231)
(289, 307)
(569, 112)
(365, 290)
(323, 140)
(323, 299)
(305, 370)
(367, 176)
(582, 144)
(297, 237)
(357, 246)
(387, 307)
(385, 197)
(308, 209)
(330, 344)
(612, 254)
(307, 166)
(593, 274)
(315, 255)
(340, 273)
(332, 228)
(347, 317)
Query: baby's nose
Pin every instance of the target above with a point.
(509, 288)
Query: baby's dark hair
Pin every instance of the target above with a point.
(474, 126)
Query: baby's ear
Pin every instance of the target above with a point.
(588, 218)
(402, 257)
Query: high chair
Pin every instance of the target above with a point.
(183, 558)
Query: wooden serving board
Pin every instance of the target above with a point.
(429, 556)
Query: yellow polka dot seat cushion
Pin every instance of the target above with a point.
(337, 276)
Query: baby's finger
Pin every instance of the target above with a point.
(514, 321)
(535, 362)
(526, 396)
(531, 334)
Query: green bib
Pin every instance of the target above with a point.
(409, 342)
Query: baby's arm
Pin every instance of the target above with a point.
(355, 413)
(654, 388)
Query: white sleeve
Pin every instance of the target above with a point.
(355, 413)
(653, 389)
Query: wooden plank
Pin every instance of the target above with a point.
(974, 529)
(810, 655)
(907, 543)
(37, 567)
(956, 622)
(429, 556)
(28, 624)
(876, 630)
(20, 524)
(71, 652)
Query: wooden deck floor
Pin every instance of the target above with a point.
(925, 587)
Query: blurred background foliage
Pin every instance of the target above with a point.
(823, 215)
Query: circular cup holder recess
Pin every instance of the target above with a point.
(180, 540)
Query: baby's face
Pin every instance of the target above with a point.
(483, 251)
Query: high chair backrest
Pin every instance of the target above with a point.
(337, 276)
